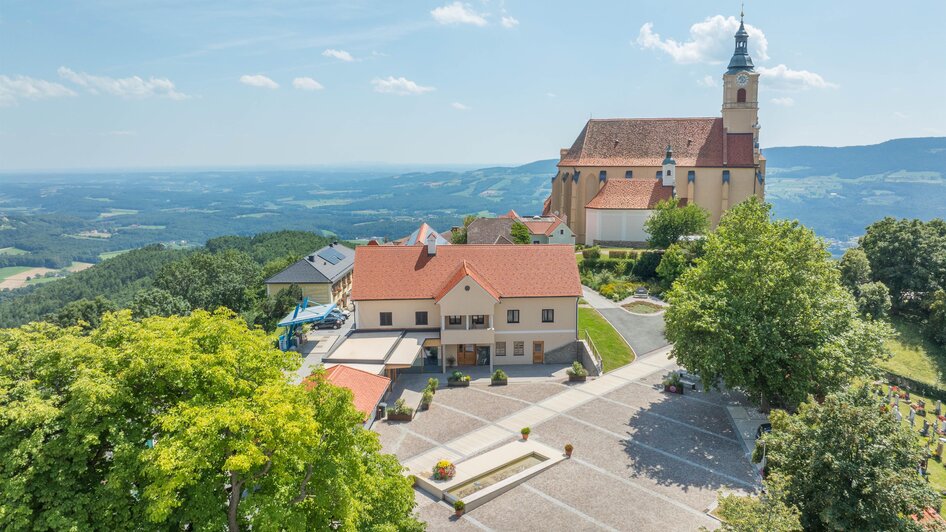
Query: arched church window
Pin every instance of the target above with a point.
(741, 95)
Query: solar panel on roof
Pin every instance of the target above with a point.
(328, 257)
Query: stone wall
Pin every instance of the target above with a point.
(566, 354)
(587, 359)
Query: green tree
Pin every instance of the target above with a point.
(211, 280)
(909, 256)
(753, 514)
(670, 221)
(679, 257)
(847, 465)
(936, 324)
(459, 236)
(520, 233)
(855, 269)
(157, 302)
(86, 313)
(873, 300)
(275, 307)
(763, 310)
(186, 422)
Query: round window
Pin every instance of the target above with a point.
(467, 288)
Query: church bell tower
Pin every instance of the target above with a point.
(741, 89)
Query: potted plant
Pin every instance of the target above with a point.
(443, 470)
(525, 433)
(400, 411)
(577, 373)
(458, 508)
(451, 361)
(433, 384)
(499, 378)
(427, 398)
(568, 450)
(673, 384)
(458, 379)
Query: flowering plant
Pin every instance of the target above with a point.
(444, 470)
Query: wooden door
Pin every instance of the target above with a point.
(466, 355)
(538, 352)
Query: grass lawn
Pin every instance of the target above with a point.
(13, 251)
(611, 346)
(913, 355)
(643, 307)
(936, 467)
(13, 270)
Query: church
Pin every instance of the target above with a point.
(617, 170)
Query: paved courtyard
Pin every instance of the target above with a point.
(643, 460)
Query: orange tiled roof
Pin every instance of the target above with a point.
(464, 270)
(547, 206)
(367, 388)
(511, 214)
(408, 272)
(643, 142)
(542, 227)
(629, 194)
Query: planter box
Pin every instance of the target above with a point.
(577, 378)
(499, 382)
(400, 417)
(458, 384)
(676, 389)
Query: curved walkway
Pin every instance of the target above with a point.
(644, 333)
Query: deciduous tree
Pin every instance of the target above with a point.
(909, 256)
(873, 300)
(670, 221)
(764, 311)
(754, 514)
(855, 269)
(520, 233)
(847, 465)
(157, 302)
(210, 280)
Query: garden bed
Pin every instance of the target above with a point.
(643, 307)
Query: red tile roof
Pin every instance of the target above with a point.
(408, 272)
(542, 227)
(466, 269)
(367, 388)
(626, 194)
(547, 206)
(643, 142)
(511, 214)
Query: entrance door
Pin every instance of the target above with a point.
(538, 352)
(466, 355)
(482, 355)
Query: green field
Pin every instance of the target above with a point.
(13, 251)
(13, 270)
(117, 212)
(611, 346)
(913, 355)
(110, 254)
(41, 280)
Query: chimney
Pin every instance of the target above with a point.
(431, 245)
(311, 258)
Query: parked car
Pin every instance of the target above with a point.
(341, 311)
(329, 322)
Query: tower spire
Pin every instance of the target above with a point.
(740, 58)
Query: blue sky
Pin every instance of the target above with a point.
(184, 83)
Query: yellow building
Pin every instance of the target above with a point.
(324, 276)
(712, 162)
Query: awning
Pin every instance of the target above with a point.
(365, 347)
(408, 349)
(309, 315)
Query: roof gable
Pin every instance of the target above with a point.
(320, 268)
(367, 388)
(642, 194)
(463, 271)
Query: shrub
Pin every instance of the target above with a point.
(400, 407)
(591, 253)
(499, 375)
(569, 447)
(459, 506)
(525, 430)
(456, 375)
(646, 265)
(433, 384)
(673, 380)
(577, 370)
(427, 397)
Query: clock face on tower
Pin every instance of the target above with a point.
(742, 80)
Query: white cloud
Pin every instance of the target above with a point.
(459, 106)
(509, 22)
(707, 81)
(307, 84)
(783, 102)
(341, 55)
(458, 13)
(400, 86)
(133, 87)
(782, 77)
(258, 80)
(17, 87)
(711, 41)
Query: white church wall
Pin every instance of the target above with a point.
(616, 225)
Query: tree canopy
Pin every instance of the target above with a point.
(520, 233)
(763, 311)
(909, 256)
(847, 464)
(182, 423)
(670, 221)
(210, 280)
(855, 269)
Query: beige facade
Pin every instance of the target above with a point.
(475, 322)
(322, 293)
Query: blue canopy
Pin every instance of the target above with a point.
(306, 315)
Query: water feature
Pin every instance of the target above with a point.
(488, 479)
